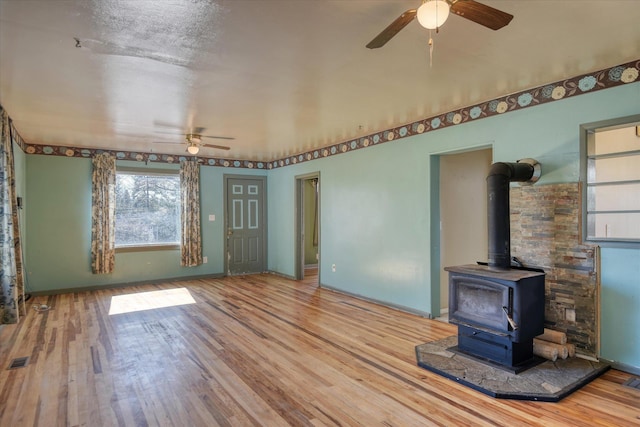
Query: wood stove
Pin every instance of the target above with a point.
(498, 313)
(498, 308)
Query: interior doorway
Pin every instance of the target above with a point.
(308, 226)
(463, 213)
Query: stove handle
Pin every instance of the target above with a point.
(513, 324)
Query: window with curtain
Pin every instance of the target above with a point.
(148, 214)
(147, 209)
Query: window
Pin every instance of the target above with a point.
(147, 208)
(611, 172)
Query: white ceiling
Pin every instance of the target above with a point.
(280, 76)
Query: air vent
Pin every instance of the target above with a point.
(633, 382)
(19, 362)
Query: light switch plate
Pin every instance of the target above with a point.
(212, 217)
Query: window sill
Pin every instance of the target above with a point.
(146, 248)
(613, 243)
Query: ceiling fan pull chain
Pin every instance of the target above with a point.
(430, 50)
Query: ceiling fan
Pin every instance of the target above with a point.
(433, 13)
(194, 141)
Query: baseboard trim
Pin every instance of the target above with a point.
(286, 276)
(123, 285)
(635, 370)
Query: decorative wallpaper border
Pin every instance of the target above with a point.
(140, 156)
(583, 84)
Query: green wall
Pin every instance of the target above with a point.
(376, 202)
(620, 301)
(59, 229)
(375, 215)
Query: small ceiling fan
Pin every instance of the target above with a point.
(193, 140)
(433, 13)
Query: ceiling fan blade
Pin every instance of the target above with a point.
(393, 29)
(219, 147)
(216, 137)
(481, 14)
(198, 130)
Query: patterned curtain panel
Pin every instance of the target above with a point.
(191, 247)
(11, 279)
(103, 214)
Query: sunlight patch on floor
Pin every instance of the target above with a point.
(150, 300)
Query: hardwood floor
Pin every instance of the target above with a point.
(255, 350)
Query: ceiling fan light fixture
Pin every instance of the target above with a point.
(193, 149)
(433, 13)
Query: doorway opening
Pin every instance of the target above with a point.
(307, 217)
(462, 204)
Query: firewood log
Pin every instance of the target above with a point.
(553, 336)
(563, 351)
(571, 349)
(544, 350)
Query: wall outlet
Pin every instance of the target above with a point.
(212, 217)
(333, 268)
(205, 259)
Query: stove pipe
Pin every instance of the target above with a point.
(500, 175)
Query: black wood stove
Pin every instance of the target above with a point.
(499, 308)
(498, 313)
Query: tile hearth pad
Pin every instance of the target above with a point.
(548, 381)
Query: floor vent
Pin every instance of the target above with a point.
(19, 362)
(633, 382)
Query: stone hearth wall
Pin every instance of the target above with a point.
(545, 232)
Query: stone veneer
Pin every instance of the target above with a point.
(545, 232)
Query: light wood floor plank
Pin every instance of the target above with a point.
(254, 351)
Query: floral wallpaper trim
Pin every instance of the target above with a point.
(141, 156)
(580, 85)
